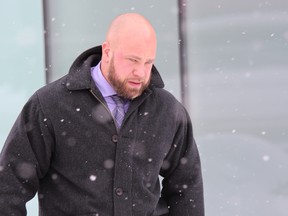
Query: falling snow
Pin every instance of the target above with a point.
(71, 141)
(183, 160)
(40, 196)
(54, 176)
(165, 165)
(26, 170)
(108, 164)
(93, 177)
(266, 158)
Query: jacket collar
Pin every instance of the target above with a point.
(79, 76)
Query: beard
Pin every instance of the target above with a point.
(121, 87)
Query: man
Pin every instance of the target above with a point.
(73, 145)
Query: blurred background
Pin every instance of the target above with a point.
(225, 60)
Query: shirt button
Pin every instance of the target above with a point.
(115, 138)
(119, 191)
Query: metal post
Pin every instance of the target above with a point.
(183, 57)
(46, 44)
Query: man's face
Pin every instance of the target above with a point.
(129, 74)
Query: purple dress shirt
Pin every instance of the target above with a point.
(105, 88)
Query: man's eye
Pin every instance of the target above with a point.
(133, 60)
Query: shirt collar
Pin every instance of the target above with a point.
(102, 84)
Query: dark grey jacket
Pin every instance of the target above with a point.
(64, 144)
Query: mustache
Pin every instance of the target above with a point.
(135, 80)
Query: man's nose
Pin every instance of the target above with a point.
(139, 71)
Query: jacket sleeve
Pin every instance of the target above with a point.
(182, 184)
(24, 159)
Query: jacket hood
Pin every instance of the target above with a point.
(79, 76)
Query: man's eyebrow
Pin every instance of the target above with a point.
(134, 56)
(150, 61)
(139, 58)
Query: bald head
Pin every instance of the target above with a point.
(130, 26)
(131, 32)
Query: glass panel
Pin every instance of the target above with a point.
(70, 32)
(22, 61)
(238, 65)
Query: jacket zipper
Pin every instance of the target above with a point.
(108, 110)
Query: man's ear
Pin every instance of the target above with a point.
(106, 51)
